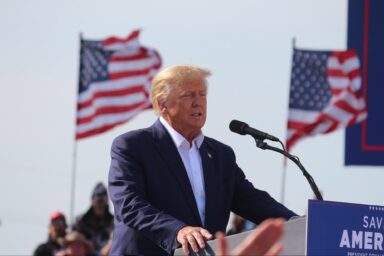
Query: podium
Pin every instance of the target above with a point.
(330, 228)
(293, 240)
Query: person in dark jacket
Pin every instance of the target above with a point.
(97, 223)
(171, 185)
(57, 231)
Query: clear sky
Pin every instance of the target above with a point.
(246, 44)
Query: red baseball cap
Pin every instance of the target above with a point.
(58, 218)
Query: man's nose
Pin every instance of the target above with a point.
(197, 100)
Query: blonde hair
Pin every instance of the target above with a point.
(173, 77)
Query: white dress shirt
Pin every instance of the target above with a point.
(192, 162)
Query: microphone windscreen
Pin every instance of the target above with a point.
(237, 127)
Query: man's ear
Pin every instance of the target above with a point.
(162, 106)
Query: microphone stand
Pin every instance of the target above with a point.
(263, 145)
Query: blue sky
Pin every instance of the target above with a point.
(247, 45)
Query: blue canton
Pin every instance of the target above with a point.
(93, 63)
(309, 86)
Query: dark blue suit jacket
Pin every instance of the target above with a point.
(153, 198)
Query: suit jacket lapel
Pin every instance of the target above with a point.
(169, 153)
(211, 181)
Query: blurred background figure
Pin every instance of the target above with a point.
(239, 224)
(57, 231)
(97, 223)
(105, 251)
(75, 244)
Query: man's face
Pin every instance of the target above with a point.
(57, 229)
(99, 204)
(76, 248)
(186, 108)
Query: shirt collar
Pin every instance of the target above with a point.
(179, 139)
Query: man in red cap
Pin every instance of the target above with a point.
(57, 231)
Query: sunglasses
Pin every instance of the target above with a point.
(59, 223)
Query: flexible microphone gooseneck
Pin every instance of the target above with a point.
(259, 136)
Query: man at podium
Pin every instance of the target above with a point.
(170, 184)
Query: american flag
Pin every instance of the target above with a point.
(114, 82)
(324, 93)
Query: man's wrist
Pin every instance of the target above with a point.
(177, 244)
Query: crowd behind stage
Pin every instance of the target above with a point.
(91, 234)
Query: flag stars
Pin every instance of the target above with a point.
(324, 57)
(94, 62)
(308, 78)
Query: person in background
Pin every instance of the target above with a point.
(57, 231)
(75, 244)
(173, 186)
(238, 225)
(106, 250)
(97, 223)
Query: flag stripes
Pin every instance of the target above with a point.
(115, 81)
(325, 93)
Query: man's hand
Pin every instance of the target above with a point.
(262, 241)
(194, 236)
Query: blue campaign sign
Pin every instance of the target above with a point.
(335, 228)
(364, 142)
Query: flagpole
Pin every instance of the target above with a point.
(73, 183)
(283, 180)
(284, 172)
(74, 155)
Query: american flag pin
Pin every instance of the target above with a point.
(209, 155)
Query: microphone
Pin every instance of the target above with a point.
(243, 129)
